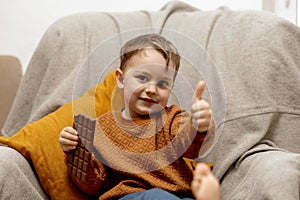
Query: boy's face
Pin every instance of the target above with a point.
(146, 82)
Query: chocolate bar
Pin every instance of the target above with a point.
(79, 158)
(192, 163)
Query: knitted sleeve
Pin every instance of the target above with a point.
(185, 136)
(200, 140)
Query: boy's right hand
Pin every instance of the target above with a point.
(68, 138)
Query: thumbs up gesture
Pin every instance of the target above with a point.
(200, 110)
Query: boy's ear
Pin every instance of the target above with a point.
(119, 78)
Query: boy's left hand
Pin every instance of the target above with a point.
(200, 110)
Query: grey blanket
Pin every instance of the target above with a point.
(254, 56)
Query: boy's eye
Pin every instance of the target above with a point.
(163, 84)
(142, 78)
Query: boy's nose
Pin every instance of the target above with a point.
(151, 88)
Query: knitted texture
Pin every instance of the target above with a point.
(141, 154)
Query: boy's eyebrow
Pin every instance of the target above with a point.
(169, 78)
(140, 71)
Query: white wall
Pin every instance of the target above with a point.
(285, 8)
(24, 22)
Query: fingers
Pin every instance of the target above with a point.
(201, 115)
(199, 90)
(205, 185)
(201, 125)
(200, 105)
(201, 112)
(72, 132)
(201, 170)
(68, 139)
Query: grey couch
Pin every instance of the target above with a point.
(250, 61)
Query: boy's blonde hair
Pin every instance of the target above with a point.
(155, 41)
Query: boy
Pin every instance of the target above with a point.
(139, 149)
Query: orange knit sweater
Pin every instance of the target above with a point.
(140, 154)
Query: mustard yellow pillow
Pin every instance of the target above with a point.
(38, 141)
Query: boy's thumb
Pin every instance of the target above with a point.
(199, 90)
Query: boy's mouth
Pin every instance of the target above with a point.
(148, 100)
